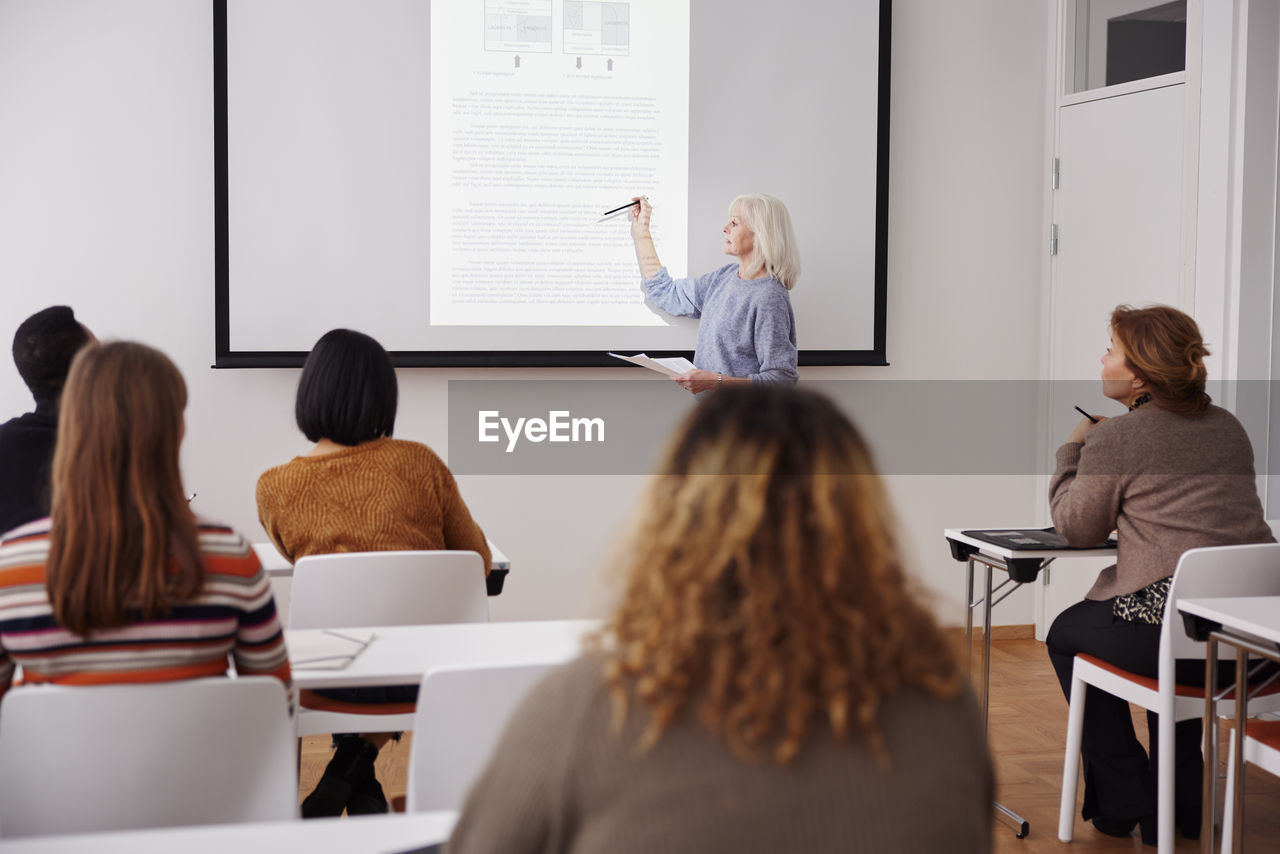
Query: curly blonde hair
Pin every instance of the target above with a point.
(763, 586)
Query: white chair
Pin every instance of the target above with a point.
(112, 757)
(370, 589)
(1220, 571)
(1261, 748)
(462, 712)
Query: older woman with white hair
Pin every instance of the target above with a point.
(748, 331)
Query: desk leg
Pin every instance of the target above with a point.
(1023, 827)
(968, 616)
(1237, 797)
(1210, 727)
(986, 648)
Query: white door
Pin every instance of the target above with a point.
(1118, 210)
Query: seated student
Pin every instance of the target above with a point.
(43, 348)
(359, 490)
(124, 584)
(1174, 473)
(768, 682)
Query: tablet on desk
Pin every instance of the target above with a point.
(1019, 539)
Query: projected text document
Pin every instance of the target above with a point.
(544, 114)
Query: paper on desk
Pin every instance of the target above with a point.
(326, 649)
(673, 366)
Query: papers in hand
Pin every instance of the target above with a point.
(673, 366)
(325, 649)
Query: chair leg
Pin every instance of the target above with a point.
(1165, 784)
(1228, 814)
(1071, 761)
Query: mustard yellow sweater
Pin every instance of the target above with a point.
(384, 495)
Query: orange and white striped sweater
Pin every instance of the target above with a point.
(233, 613)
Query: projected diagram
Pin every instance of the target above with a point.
(597, 28)
(523, 25)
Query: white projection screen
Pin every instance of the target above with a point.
(433, 172)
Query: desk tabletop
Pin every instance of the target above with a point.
(1258, 616)
(374, 834)
(400, 655)
(987, 548)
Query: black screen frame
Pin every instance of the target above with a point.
(225, 357)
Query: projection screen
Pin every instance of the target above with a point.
(433, 172)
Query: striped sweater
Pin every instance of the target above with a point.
(234, 613)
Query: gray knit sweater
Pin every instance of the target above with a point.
(1166, 483)
(562, 782)
(747, 329)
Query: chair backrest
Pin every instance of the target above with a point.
(77, 759)
(388, 589)
(462, 712)
(1252, 570)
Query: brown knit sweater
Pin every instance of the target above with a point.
(561, 781)
(384, 495)
(1166, 483)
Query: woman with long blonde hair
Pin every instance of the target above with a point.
(769, 682)
(123, 583)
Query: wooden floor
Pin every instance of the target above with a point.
(1028, 730)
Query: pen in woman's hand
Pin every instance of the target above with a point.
(621, 207)
(1086, 415)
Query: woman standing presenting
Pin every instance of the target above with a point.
(1174, 473)
(748, 331)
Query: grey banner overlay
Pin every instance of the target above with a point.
(914, 427)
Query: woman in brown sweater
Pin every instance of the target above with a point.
(359, 490)
(769, 682)
(1174, 473)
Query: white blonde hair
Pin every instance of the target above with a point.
(775, 241)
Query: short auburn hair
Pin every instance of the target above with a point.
(1163, 346)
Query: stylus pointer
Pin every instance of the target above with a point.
(621, 207)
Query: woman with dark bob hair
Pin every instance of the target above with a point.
(1173, 473)
(768, 682)
(358, 490)
(123, 583)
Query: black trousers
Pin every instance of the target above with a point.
(1119, 776)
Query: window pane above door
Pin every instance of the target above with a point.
(1118, 41)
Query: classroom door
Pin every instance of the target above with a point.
(1118, 211)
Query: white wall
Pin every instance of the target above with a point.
(106, 204)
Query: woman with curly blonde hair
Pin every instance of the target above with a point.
(768, 683)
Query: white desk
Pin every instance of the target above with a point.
(1252, 625)
(374, 834)
(400, 655)
(1022, 566)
